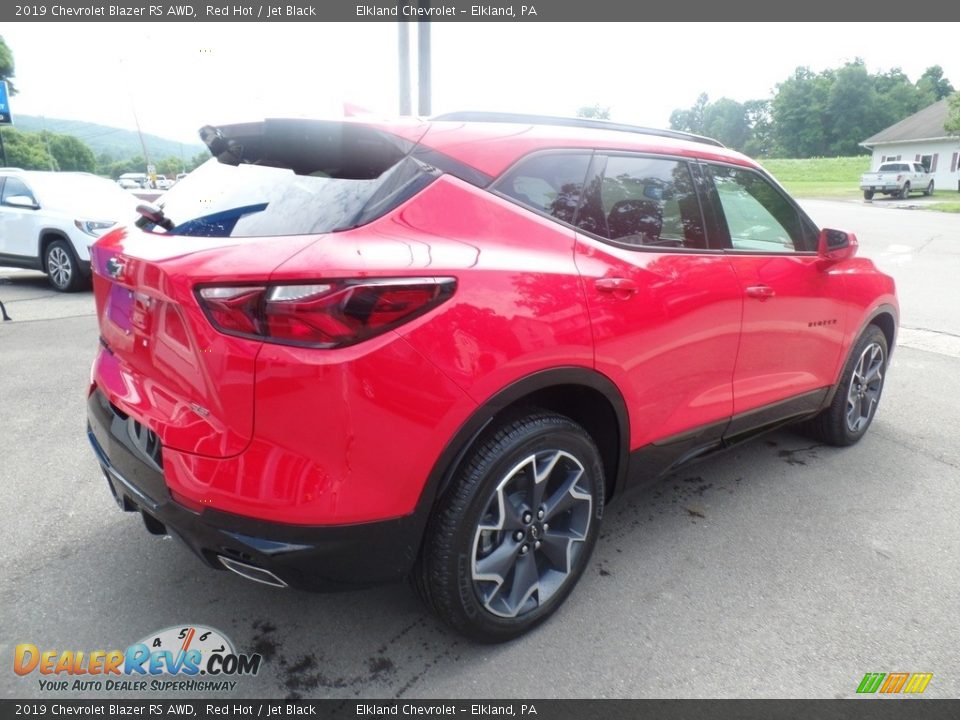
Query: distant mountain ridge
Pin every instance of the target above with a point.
(118, 143)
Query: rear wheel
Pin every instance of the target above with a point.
(855, 403)
(62, 267)
(514, 533)
(905, 191)
(929, 190)
(868, 194)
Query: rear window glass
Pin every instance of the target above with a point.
(643, 201)
(549, 183)
(894, 167)
(218, 200)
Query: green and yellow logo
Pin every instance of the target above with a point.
(894, 682)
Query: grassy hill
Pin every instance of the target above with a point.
(820, 177)
(116, 142)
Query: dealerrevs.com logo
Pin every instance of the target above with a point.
(184, 658)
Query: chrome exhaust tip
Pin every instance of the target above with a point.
(251, 572)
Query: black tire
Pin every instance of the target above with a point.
(470, 536)
(905, 191)
(868, 194)
(846, 420)
(929, 191)
(63, 270)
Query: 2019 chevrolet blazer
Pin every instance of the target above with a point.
(346, 352)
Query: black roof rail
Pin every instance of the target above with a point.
(495, 117)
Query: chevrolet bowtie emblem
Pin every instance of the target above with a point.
(115, 267)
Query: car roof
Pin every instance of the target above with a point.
(492, 147)
(39, 175)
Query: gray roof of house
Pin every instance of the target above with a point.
(922, 125)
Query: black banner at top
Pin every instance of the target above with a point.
(739, 11)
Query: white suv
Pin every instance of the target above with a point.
(48, 220)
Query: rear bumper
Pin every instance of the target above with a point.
(329, 557)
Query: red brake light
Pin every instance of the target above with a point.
(322, 315)
(232, 309)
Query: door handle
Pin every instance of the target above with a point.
(623, 286)
(761, 292)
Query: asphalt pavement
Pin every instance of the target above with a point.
(780, 569)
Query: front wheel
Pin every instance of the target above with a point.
(512, 536)
(857, 396)
(929, 190)
(62, 267)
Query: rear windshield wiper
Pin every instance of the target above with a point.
(153, 214)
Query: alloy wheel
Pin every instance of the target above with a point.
(59, 267)
(531, 532)
(865, 386)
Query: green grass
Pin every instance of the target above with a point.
(833, 178)
(820, 177)
(949, 207)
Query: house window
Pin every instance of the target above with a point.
(926, 161)
(889, 158)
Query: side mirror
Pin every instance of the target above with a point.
(836, 245)
(21, 201)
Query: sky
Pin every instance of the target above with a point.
(177, 77)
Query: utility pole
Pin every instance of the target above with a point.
(403, 50)
(423, 64)
(143, 145)
(424, 89)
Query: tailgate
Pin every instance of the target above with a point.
(162, 362)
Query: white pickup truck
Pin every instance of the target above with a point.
(897, 178)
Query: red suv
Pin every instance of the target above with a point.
(348, 352)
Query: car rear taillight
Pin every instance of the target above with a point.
(330, 314)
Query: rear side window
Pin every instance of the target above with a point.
(645, 202)
(290, 177)
(550, 183)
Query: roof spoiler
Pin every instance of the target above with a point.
(308, 147)
(496, 117)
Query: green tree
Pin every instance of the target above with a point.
(119, 167)
(27, 150)
(70, 153)
(932, 84)
(798, 114)
(594, 112)
(197, 160)
(952, 124)
(726, 120)
(7, 66)
(851, 110)
(692, 119)
(897, 97)
(760, 143)
(170, 165)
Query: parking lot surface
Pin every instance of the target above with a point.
(780, 569)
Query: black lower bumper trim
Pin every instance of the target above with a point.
(329, 557)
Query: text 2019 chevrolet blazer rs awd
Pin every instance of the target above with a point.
(349, 352)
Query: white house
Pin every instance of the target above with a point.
(921, 138)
